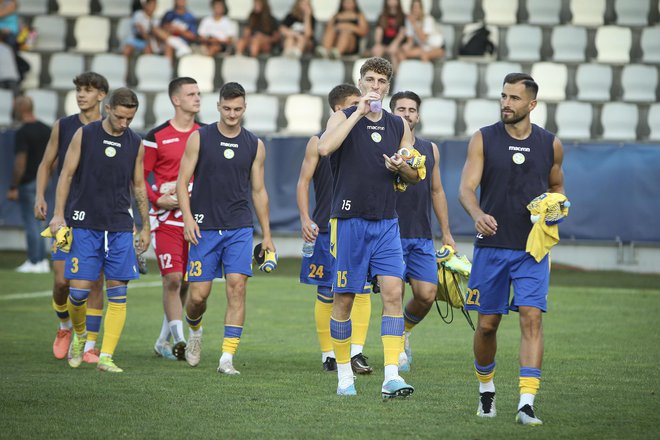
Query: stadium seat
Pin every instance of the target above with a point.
(552, 79)
(632, 12)
(569, 44)
(45, 104)
(73, 8)
(500, 12)
(279, 8)
(113, 66)
(613, 44)
(244, 70)
(32, 78)
(494, 77)
(619, 121)
(200, 67)
(208, 109)
(63, 68)
(438, 117)
(574, 120)
(449, 36)
(303, 114)
(593, 82)
(163, 6)
(32, 7)
(543, 12)
(371, 9)
(539, 115)
(457, 11)
(162, 108)
(650, 42)
(51, 33)
(139, 120)
(639, 83)
(416, 75)
(239, 9)
(324, 9)
(6, 104)
(92, 34)
(588, 12)
(654, 122)
(283, 75)
(459, 79)
(524, 42)
(261, 113)
(71, 103)
(122, 32)
(201, 8)
(118, 8)
(153, 73)
(405, 5)
(355, 75)
(480, 113)
(324, 75)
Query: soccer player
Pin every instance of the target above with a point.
(91, 89)
(103, 161)
(317, 269)
(414, 209)
(512, 161)
(227, 162)
(364, 231)
(164, 147)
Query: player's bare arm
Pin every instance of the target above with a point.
(69, 167)
(260, 197)
(43, 172)
(165, 201)
(470, 179)
(310, 162)
(188, 163)
(396, 164)
(140, 193)
(20, 162)
(439, 200)
(556, 178)
(339, 126)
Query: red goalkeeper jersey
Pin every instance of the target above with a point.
(164, 146)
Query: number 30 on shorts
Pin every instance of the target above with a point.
(195, 269)
(472, 297)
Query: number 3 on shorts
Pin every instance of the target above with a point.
(74, 265)
(195, 269)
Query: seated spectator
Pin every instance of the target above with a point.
(297, 29)
(390, 32)
(423, 36)
(218, 32)
(9, 26)
(178, 29)
(344, 30)
(142, 38)
(261, 33)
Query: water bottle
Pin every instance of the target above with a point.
(375, 106)
(308, 246)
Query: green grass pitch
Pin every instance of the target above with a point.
(600, 374)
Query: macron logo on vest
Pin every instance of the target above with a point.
(227, 144)
(114, 144)
(169, 141)
(375, 127)
(525, 149)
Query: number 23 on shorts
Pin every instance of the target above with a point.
(195, 269)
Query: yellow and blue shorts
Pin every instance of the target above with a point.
(220, 252)
(419, 257)
(93, 251)
(317, 269)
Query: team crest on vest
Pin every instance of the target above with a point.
(110, 151)
(229, 153)
(376, 137)
(518, 158)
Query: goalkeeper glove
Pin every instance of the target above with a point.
(267, 262)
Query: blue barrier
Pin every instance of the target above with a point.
(614, 188)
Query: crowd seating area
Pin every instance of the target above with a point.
(597, 63)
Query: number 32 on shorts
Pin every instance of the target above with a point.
(472, 297)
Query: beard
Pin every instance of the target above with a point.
(514, 118)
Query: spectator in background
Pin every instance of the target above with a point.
(423, 36)
(390, 32)
(218, 32)
(261, 32)
(297, 29)
(178, 29)
(31, 140)
(344, 30)
(142, 38)
(9, 22)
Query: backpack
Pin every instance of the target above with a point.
(476, 42)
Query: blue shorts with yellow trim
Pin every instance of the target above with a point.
(419, 257)
(317, 269)
(364, 247)
(494, 270)
(220, 252)
(93, 251)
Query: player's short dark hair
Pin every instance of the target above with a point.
(232, 90)
(176, 83)
(406, 94)
(530, 84)
(339, 94)
(378, 65)
(92, 79)
(124, 97)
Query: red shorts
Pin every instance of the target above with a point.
(171, 248)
